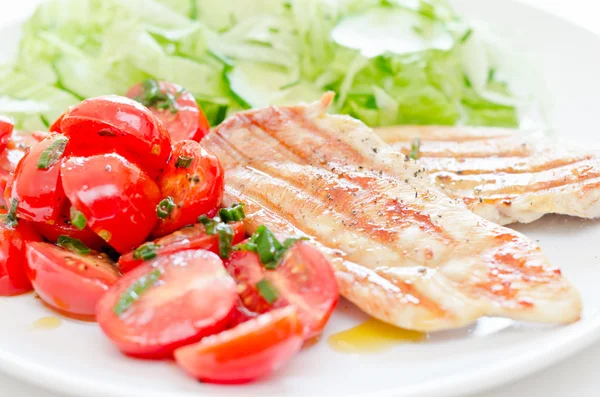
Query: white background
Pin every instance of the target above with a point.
(576, 377)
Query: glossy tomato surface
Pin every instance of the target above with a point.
(6, 129)
(116, 197)
(56, 126)
(121, 125)
(38, 191)
(196, 189)
(177, 109)
(63, 227)
(181, 298)
(249, 351)
(69, 282)
(192, 237)
(13, 275)
(304, 279)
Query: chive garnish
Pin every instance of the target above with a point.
(415, 149)
(466, 36)
(209, 224)
(73, 244)
(232, 214)
(270, 250)
(152, 96)
(10, 218)
(164, 208)
(145, 252)
(183, 162)
(225, 240)
(78, 219)
(267, 290)
(52, 154)
(136, 290)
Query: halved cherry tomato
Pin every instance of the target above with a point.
(55, 127)
(63, 227)
(117, 124)
(196, 188)
(304, 279)
(192, 237)
(117, 198)
(177, 110)
(166, 303)
(13, 276)
(249, 351)
(38, 191)
(69, 282)
(6, 129)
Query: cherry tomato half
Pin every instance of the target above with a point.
(194, 179)
(69, 282)
(110, 124)
(166, 303)
(38, 191)
(56, 126)
(6, 129)
(304, 279)
(249, 351)
(117, 198)
(63, 227)
(192, 237)
(13, 276)
(175, 107)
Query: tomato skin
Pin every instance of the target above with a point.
(193, 237)
(6, 129)
(193, 298)
(117, 198)
(117, 124)
(189, 122)
(196, 190)
(39, 192)
(13, 276)
(249, 351)
(304, 279)
(56, 126)
(69, 282)
(63, 227)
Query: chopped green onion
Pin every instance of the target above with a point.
(183, 162)
(267, 290)
(415, 149)
(10, 218)
(232, 214)
(52, 154)
(145, 252)
(136, 290)
(164, 208)
(270, 251)
(72, 244)
(466, 36)
(225, 240)
(152, 96)
(78, 219)
(209, 224)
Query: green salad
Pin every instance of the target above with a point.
(388, 61)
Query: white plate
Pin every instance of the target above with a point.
(76, 359)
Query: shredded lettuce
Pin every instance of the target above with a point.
(389, 61)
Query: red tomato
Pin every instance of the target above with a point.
(181, 298)
(69, 282)
(117, 124)
(6, 129)
(38, 191)
(249, 351)
(13, 277)
(63, 227)
(117, 198)
(196, 189)
(304, 279)
(183, 119)
(55, 127)
(193, 237)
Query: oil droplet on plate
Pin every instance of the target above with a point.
(49, 323)
(372, 336)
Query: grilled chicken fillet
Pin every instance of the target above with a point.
(402, 250)
(501, 176)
